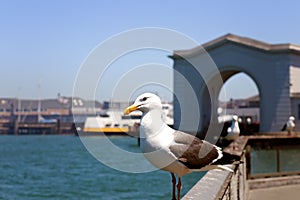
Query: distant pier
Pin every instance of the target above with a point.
(36, 128)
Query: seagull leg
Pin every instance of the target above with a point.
(178, 188)
(173, 186)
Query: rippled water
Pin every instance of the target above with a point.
(59, 167)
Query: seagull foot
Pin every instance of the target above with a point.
(178, 188)
(173, 186)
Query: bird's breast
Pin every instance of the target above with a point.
(157, 142)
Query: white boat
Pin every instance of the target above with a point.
(116, 123)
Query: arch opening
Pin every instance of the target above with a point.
(238, 95)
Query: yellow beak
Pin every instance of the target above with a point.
(130, 109)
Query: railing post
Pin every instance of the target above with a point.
(278, 159)
(248, 161)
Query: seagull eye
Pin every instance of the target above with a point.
(144, 99)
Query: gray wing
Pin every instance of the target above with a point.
(193, 152)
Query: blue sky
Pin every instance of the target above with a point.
(46, 41)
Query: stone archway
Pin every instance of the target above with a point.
(211, 99)
(268, 65)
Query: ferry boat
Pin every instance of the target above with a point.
(116, 123)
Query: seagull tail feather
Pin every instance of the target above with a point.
(228, 159)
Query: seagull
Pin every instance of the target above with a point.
(171, 150)
(290, 125)
(234, 130)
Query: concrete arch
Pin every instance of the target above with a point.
(267, 65)
(206, 109)
(229, 71)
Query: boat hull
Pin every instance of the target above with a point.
(124, 131)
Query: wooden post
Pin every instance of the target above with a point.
(278, 159)
(248, 161)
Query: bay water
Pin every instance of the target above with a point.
(60, 167)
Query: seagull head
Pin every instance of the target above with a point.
(292, 118)
(235, 118)
(145, 103)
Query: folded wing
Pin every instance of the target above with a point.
(193, 152)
